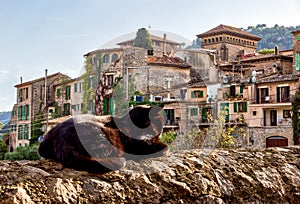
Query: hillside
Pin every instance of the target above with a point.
(5, 117)
(272, 36)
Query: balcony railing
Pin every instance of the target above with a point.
(270, 99)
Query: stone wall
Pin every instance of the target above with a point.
(194, 176)
(258, 135)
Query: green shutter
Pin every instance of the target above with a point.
(242, 89)
(204, 115)
(19, 112)
(297, 63)
(75, 87)
(235, 107)
(19, 132)
(245, 106)
(24, 112)
(192, 94)
(105, 112)
(19, 95)
(67, 96)
(58, 93)
(111, 106)
(201, 94)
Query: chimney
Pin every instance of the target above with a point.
(45, 97)
(165, 44)
(276, 50)
(21, 80)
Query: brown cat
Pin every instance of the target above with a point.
(103, 143)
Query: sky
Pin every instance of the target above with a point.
(55, 34)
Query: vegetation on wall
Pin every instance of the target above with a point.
(88, 90)
(295, 118)
(36, 126)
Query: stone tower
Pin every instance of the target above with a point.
(230, 42)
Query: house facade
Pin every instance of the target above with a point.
(33, 100)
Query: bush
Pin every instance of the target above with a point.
(23, 153)
(3, 149)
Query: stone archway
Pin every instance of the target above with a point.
(276, 141)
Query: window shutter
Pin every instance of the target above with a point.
(105, 106)
(111, 106)
(235, 107)
(24, 112)
(288, 93)
(241, 89)
(75, 87)
(245, 106)
(203, 113)
(19, 112)
(278, 94)
(192, 94)
(257, 96)
(201, 94)
(58, 93)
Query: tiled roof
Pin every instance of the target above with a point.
(288, 77)
(229, 30)
(167, 61)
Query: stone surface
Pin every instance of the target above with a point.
(194, 176)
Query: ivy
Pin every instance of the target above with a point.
(295, 120)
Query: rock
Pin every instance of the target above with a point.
(223, 176)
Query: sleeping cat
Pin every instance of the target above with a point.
(103, 143)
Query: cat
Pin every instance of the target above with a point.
(101, 144)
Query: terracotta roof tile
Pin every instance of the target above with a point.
(167, 61)
(228, 29)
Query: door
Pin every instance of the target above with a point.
(276, 141)
(273, 117)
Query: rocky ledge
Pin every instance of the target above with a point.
(194, 176)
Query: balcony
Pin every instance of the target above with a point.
(271, 100)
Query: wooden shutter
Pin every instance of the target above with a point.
(192, 94)
(24, 112)
(204, 114)
(245, 106)
(111, 106)
(235, 107)
(105, 112)
(201, 94)
(19, 112)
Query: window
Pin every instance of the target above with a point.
(225, 107)
(114, 57)
(286, 114)
(194, 112)
(169, 116)
(68, 93)
(240, 106)
(197, 94)
(283, 94)
(232, 91)
(106, 58)
(58, 94)
(254, 113)
(75, 87)
(224, 52)
(20, 132)
(26, 92)
(110, 80)
(26, 132)
(262, 95)
(67, 110)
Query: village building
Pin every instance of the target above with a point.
(33, 100)
(256, 89)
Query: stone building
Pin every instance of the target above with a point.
(229, 42)
(296, 50)
(33, 101)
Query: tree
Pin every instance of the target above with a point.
(143, 40)
(3, 149)
(295, 119)
(88, 86)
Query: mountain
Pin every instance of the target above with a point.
(272, 36)
(5, 117)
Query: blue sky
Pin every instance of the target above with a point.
(55, 34)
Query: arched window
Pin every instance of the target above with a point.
(114, 57)
(106, 58)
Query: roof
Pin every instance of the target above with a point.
(224, 29)
(280, 78)
(103, 51)
(152, 37)
(168, 61)
(39, 79)
(266, 57)
(295, 31)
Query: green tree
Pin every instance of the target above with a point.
(295, 119)
(143, 40)
(23, 153)
(3, 149)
